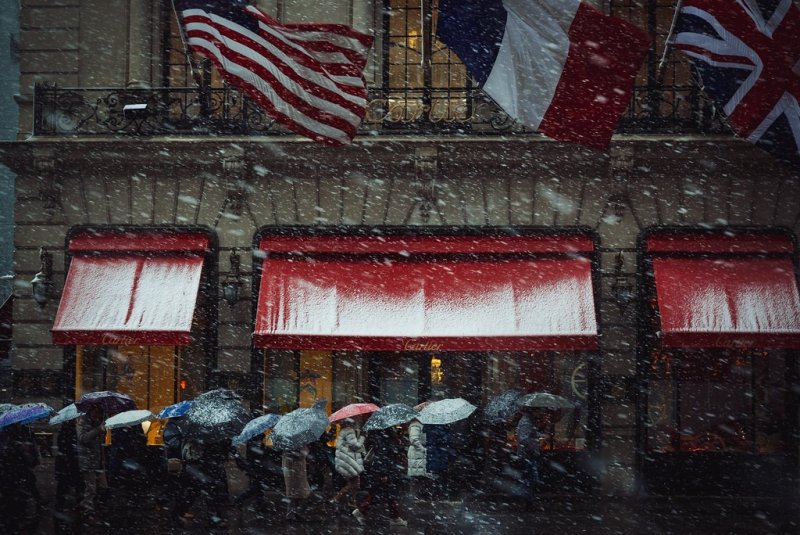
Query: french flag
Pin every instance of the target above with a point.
(558, 66)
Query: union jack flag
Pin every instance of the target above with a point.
(747, 53)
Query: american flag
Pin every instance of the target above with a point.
(308, 77)
(747, 53)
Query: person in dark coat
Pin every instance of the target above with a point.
(91, 436)
(19, 496)
(130, 477)
(439, 455)
(203, 475)
(262, 464)
(384, 475)
(529, 449)
(69, 479)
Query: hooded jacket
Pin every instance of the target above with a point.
(349, 452)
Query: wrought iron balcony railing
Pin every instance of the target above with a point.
(222, 111)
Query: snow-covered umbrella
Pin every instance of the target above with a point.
(70, 412)
(25, 414)
(446, 411)
(129, 418)
(390, 416)
(300, 427)
(256, 427)
(503, 406)
(111, 402)
(354, 409)
(217, 415)
(545, 400)
(4, 407)
(177, 410)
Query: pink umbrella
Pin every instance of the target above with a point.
(354, 409)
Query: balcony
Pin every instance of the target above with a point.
(192, 111)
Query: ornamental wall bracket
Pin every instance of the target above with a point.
(426, 171)
(50, 185)
(237, 188)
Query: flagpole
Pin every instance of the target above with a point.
(192, 66)
(663, 60)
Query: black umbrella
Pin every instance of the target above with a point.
(390, 416)
(502, 407)
(111, 402)
(217, 415)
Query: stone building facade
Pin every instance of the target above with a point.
(235, 185)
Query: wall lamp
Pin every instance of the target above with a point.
(42, 282)
(622, 290)
(232, 285)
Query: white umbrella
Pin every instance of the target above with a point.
(70, 412)
(129, 418)
(446, 411)
(545, 400)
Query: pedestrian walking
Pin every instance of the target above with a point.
(295, 477)
(69, 480)
(263, 466)
(439, 454)
(19, 495)
(417, 457)
(349, 461)
(529, 449)
(91, 436)
(203, 476)
(129, 477)
(385, 468)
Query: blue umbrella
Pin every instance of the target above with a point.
(256, 427)
(25, 414)
(177, 410)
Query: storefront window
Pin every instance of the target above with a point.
(716, 400)
(154, 376)
(561, 373)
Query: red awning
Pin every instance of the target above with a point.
(727, 299)
(407, 294)
(131, 298)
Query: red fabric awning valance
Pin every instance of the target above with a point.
(402, 294)
(124, 300)
(731, 294)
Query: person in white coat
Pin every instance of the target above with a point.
(349, 460)
(416, 450)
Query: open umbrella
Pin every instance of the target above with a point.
(111, 402)
(354, 409)
(70, 412)
(300, 427)
(503, 406)
(256, 427)
(25, 414)
(177, 410)
(129, 418)
(545, 400)
(4, 407)
(217, 415)
(446, 411)
(390, 416)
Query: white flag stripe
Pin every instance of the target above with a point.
(257, 83)
(290, 86)
(300, 71)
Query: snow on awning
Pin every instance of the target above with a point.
(426, 293)
(139, 290)
(716, 291)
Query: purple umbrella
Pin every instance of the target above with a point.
(25, 414)
(111, 402)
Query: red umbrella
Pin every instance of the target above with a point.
(354, 409)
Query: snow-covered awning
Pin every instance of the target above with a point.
(426, 292)
(718, 290)
(124, 289)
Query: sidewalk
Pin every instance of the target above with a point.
(550, 514)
